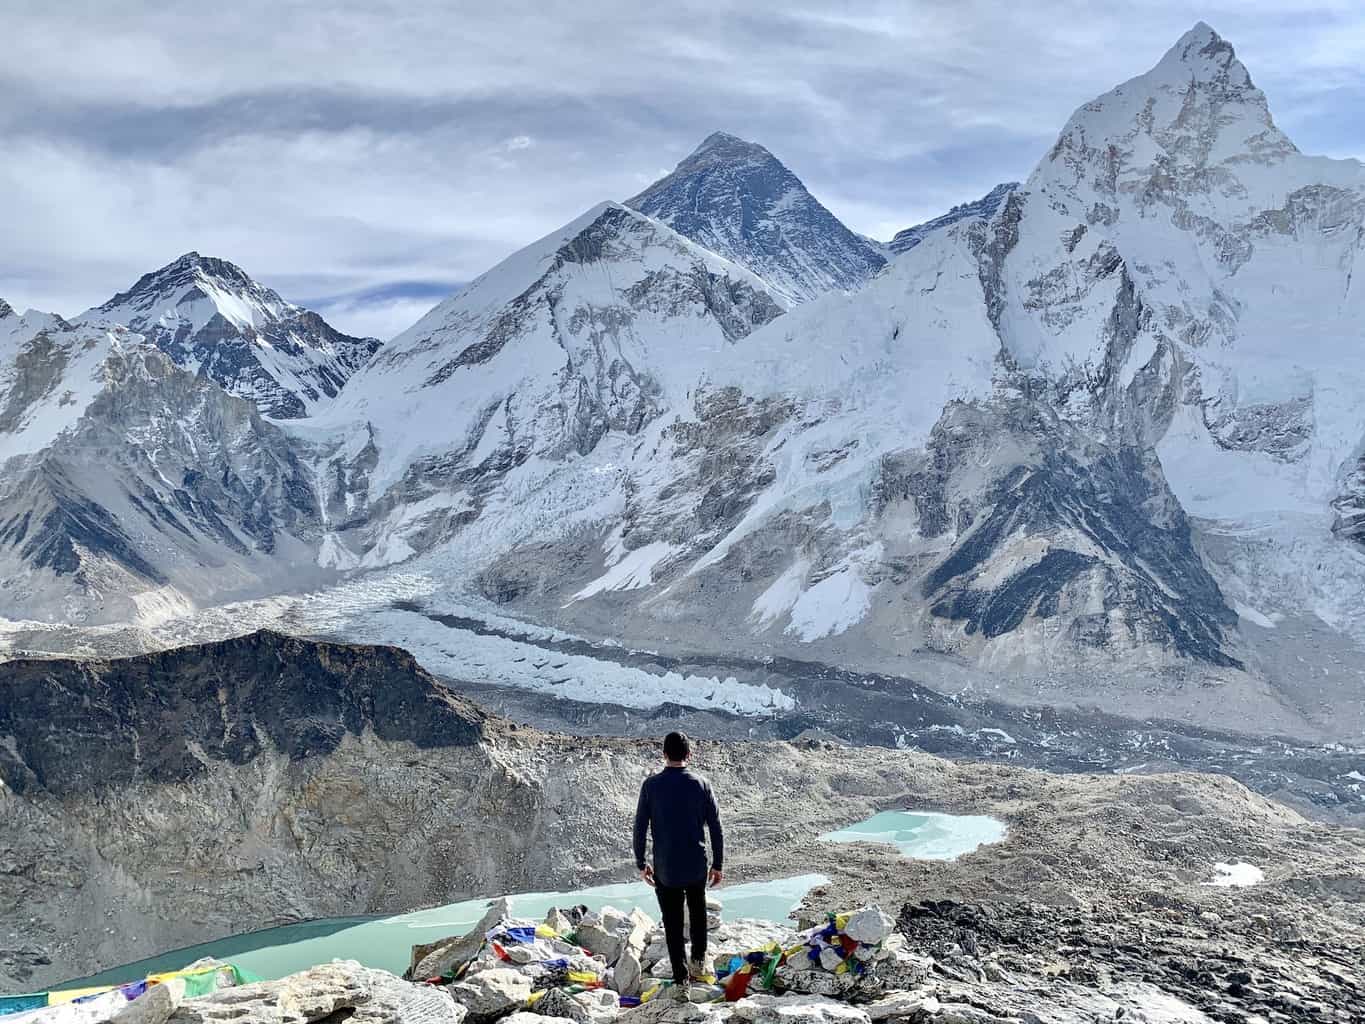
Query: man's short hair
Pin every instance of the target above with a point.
(677, 747)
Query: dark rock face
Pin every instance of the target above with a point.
(1350, 506)
(982, 209)
(1102, 516)
(78, 727)
(738, 200)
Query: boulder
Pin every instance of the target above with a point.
(395, 1001)
(601, 1004)
(870, 925)
(491, 994)
(734, 938)
(530, 1017)
(558, 1003)
(559, 921)
(596, 939)
(367, 996)
(437, 959)
(818, 982)
(667, 1008)
(154, 1006)
(796, 1009)
(900, 1005)
(897, 968)
(627, 974)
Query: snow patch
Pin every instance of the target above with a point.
(631, 572)
(1239, 874)
(780, 596)
(837, 602)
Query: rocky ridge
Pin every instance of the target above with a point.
(978, 209)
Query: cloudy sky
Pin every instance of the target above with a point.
(363, 158)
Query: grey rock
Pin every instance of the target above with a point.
(301, 998)
(558, 1003)
(154, 1006)
(489, 995)
(797, 1009)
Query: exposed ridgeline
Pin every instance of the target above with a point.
(979, 209)
(80, 728)
(157, 801)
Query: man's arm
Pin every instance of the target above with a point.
(641, 825)
(717, 831)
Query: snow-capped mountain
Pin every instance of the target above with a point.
(737, 199)
(212, 319)
(1113, 424)
(588, 335)
(131, 489)
(1108, 430)
(979, 209)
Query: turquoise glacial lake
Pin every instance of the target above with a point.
(387, 942)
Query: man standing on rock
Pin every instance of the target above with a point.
(677, 806)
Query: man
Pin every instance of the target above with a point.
(676, 806)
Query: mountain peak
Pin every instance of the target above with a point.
(192, 268)
(980, 209)
(1202, 55)
(210, 317)
(1195, 110)
(735, 198)
(722, 147)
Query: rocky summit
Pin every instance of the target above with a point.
(738, 200)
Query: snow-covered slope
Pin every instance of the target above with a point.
(981, 209)
(588, 335)
(738, 200)
(1109, 425)
(1102, 444)
(131, 489)
(212, 319)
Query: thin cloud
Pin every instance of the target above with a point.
(369, 144)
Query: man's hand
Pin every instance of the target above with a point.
(647, 873)
(715, 877)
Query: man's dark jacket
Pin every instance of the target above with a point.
(678, 807)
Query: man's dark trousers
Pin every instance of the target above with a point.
(671, 900)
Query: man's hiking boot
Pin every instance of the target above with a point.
(698, 970)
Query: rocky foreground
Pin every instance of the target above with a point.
(153, 802)
(942, 964)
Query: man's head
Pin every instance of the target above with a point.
(677, 749)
